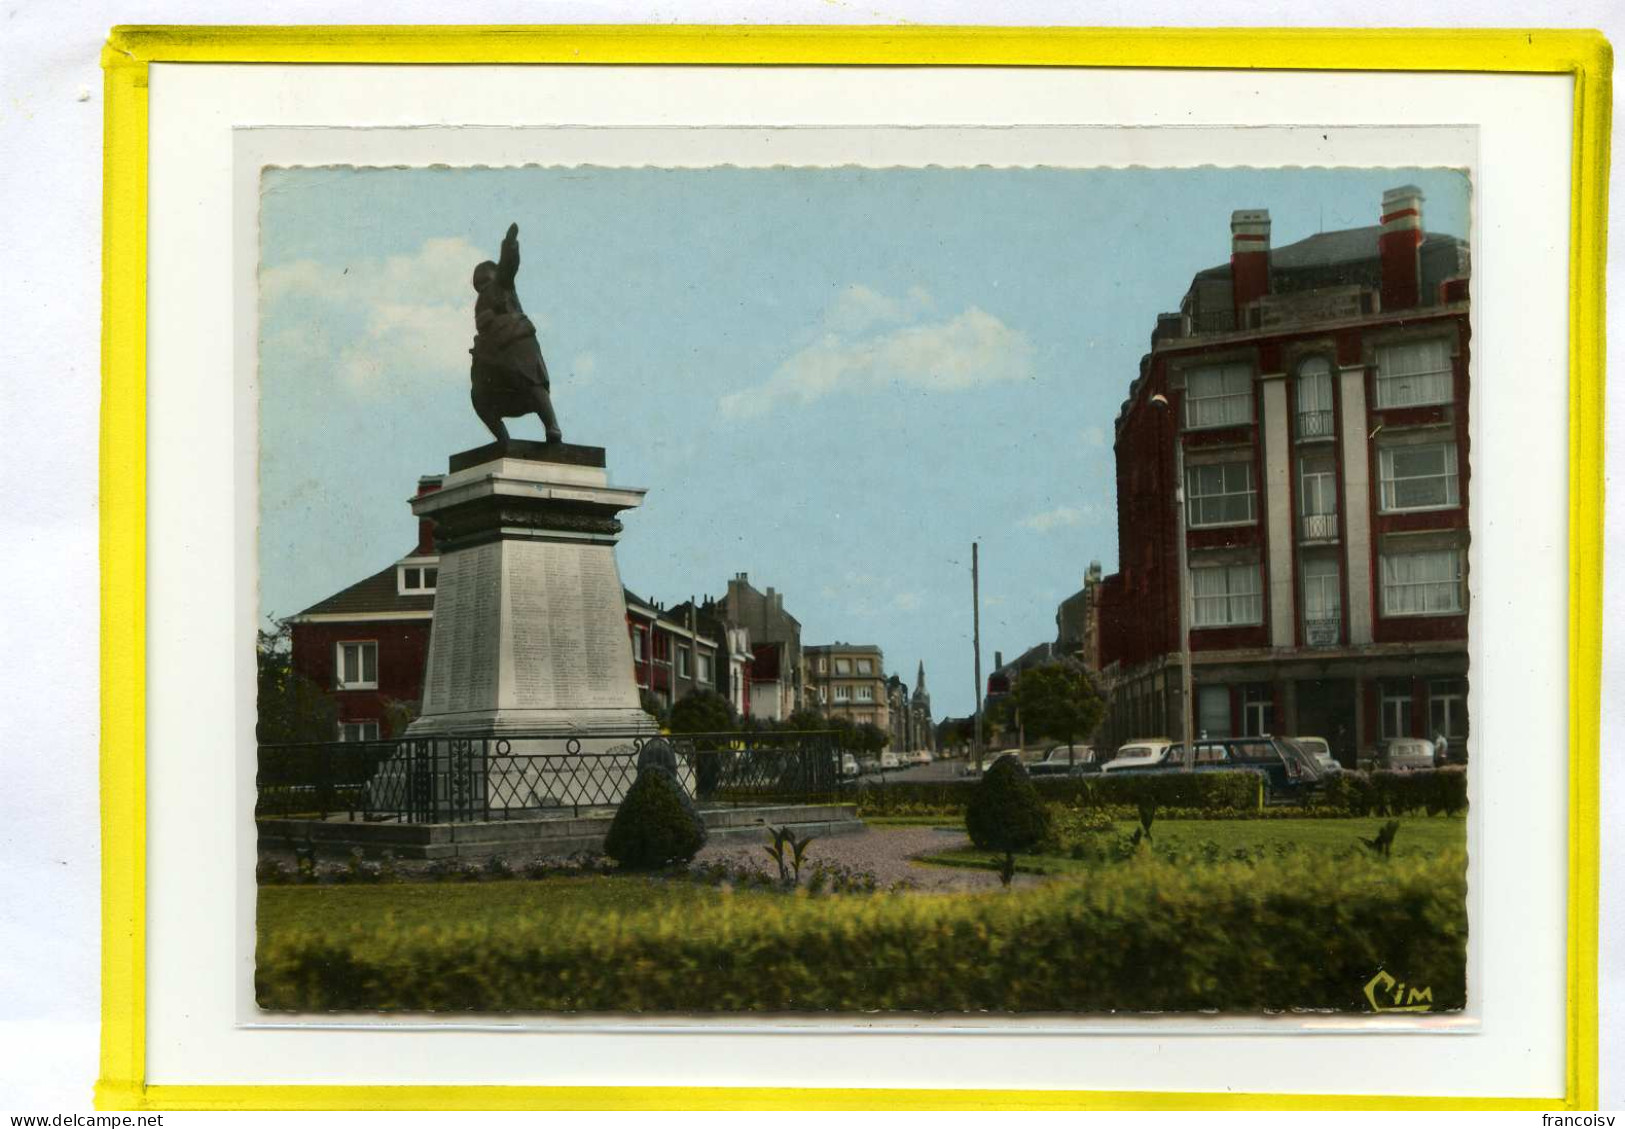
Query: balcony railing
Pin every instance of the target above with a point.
(1213, 321)
(1317, 527)
(1316, 424)
(1323, 632)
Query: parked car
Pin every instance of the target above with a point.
(1289, 772)
(1316, 749)
(849, 765)
(1143, 753)
(988, 759)
(1062, 761)
(1405, 754)
(889, 761)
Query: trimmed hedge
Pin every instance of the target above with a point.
(656, 824)
(1201, 793)
(1005, 812)
(1437, 791)
(1303, 932)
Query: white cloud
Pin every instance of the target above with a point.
(1094, 436)
(869, 339)
(386, 320)
(1052, 519)
(906, 601)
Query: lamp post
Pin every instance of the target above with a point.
(1185, 691)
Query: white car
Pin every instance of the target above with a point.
(889, 761)
(1138, 754)
(1406, 754)
(849, 765)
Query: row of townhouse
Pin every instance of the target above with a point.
(1316, 395)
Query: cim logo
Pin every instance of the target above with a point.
(1387, 994)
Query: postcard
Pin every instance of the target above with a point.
(633, 670)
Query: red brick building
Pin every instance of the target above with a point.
(368, 644)
(1319, 392)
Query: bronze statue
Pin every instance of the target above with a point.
(508, 373)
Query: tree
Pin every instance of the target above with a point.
(704, 711)
(292, 708)
(651, 704)
(1059, 700)
(870, 738)
(806, 720)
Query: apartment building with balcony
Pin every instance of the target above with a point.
(1316, 395)
(848, 680)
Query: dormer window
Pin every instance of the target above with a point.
(417, 580)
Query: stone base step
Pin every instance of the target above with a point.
(560, 835)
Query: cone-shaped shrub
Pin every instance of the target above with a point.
(1005, 812)
(656, 824)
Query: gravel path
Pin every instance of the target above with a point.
(885, 851)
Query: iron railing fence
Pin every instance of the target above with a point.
(444, 779)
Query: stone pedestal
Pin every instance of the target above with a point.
(529, 661)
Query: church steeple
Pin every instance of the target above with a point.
(920, 692)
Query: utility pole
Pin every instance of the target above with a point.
(976, 636)
(1185, 692)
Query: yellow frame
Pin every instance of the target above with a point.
(1586, 56)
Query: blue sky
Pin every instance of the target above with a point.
(832, 379)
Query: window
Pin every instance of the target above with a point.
(706, 671)
(357, 666)
(843, 693)
(823, 666)
(1422, 476)
(843, 666)
(866, 693)
(682, 662)
(1322, 602)
(866, 666)
(1422, 583)
(1447, 711)
(1219, 396)
(1220, 494)
(1317, 498)
(1414, 373)
(418, 580)
(358, 731)
(1396, 709)
(823, 695)
(1213, 711)
(1315, 399)
(640, 643)
(1226, 596)
(1257, 710)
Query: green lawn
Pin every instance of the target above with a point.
(1419, 836)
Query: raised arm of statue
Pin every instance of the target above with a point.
(508, 264)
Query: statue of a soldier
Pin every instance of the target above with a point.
(508, 374)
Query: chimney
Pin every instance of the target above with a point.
(1249, 259)
(1400, 247)
(427, 484)
(998, 659)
